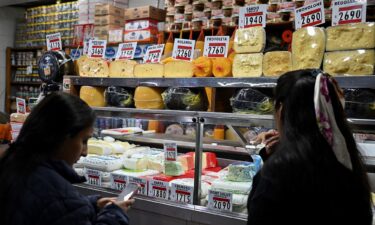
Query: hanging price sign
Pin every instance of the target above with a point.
(93, 177)
(216, 46)
(126, 50)
(310, 15)
(158, 189)
(253, 16)
(221, 201)
(118, 181)
(153, 54)
(183, 49)
(348, 11)
(170, 151)
(142, 183)
(54, 42)
(97, 48)
(182, 193)
(21, 105)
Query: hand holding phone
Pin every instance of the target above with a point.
(129, 191)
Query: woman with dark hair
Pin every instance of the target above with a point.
(36, 171)
(315, 174)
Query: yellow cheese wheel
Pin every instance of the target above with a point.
(148, 98)
(178, 69)
(122, 68)
(92, 67)
(93, 96)
(222, 67)
(202, 67)
(149, 70)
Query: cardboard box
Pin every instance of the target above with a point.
(109, 20)
(141, 36)
(115, 36)
(107, 9)
(102, 37)
(145, 12)
(144, 24)
(103, 30)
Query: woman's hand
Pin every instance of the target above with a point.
(125, 205)
(270, 139)
(102, 202)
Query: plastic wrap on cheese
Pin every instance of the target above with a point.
(173, 168)
(179, 69)
(190, 182)
(357, 62)
(135, 173)
(92, 67)
(148, 98)
(241, 172)
(277, 63)
(248, 65)
(308, 47)
(93, 96)
(122, 68)
(149, 71)
(103, 163)
(350, 36)
(231, 186)
(249, 40)
(136, 162)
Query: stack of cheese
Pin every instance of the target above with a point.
(91, 67)
(350, 49)
(170, 69)
(108, 146)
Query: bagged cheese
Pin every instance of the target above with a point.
(248, 65)
(92, 67)
(232, 187)
(148, 98)
(178, 69)
(308, 47)
(358, 62)
(93, 96)
(122, 68)
(277, 63)
(103, 163)
(249, 40)
(149, 70)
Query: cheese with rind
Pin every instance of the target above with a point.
(250, 40)
(92, 67)
(277, 63)
(248, 65)
(122, 68)
(179, 69)
(93, 96)
(149, 70)
(148, 98)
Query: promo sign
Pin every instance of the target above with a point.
(97, 48)
(253, 16)
(21, 105)
(153, 54)
(182, 193)
(142, 183)
(93, 177)
(54, 42)
(216, 46)
(183, 49)
(158, 189)
(310, 15)
(348, 11)
(118, 181)
(126, 50)
(221, 201)
(170, 151)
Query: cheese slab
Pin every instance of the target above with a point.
(179, 69)
(149, 70)
(102, 163)
(277, 63)
(357, 62)
(249, 40)
(148, 98)
(122, 68)
(92, 67)
(93, 96)
(248, 65)
(232, 187)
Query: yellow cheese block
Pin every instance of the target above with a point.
(308, 47)
(149, 70)
(122, 68)
(178, 69)
(93, 96)
(148, 98)
(92, 67)
(350, 36)
(277, 63)
(357, 62)
(248, 65)
(250, 40)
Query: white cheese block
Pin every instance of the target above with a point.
(277, 63)
(122, 68)
(308, 47)
(135, 173)
(136, 163)
(248, 65)
(350, 36)
(92, 67)
(241, 172)
(149, 70)
(190, 182)
(179, 69)
(357, 62)
(173, 168)
(103, 163)
(249, 40)
(232, 187)
(128, 153)
(99, 148)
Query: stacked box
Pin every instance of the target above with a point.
(87, 8)
(107, 17)
(142, 31)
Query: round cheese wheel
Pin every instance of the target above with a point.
(93, 96)
(148, 98)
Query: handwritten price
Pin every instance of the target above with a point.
(159, 192)
(55, 44)
(97, 51)
(312, 18)
(253, 19)
(183, 197)
(351, 14)
(221, 204)
(94, 180)
(216, 50)
(183, 53)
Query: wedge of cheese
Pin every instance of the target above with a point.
(248, 65)
(276, 63)
(357, 62)
(149, 70)
(249, 40)
(122, 68)
(93, 96)
(308, 48)
(92, 67)
(179, 69)
(148, 98)
(350, 36)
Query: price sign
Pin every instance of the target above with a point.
(93, 177)
(153, 54)
(158, 189)
(86, 45)
(183, 49)
(21, 105)
(310, 15)
(54, 42)
(216, 46)
(141, 182)
(118, 181)
(97, 48)
(66, 85)
(126, 50)
(221, 201)
(348, 11)
(253, 16)
(170, 151)
(182, 193)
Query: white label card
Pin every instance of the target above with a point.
(170, 151)
(54, 42)
(118, 181)
(126, 50)
(29, 69)
(66, 85)
(97, 48)
(182, 193)
(93, 177)
(253, 16)
(310, 15)
(216, 46)
(158, 189)
(183, 49)
(153, 54)
(348, 11)
(142, 183)
(21, 105)
(221, 201)
(86, 46)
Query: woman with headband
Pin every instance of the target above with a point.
(315, 174)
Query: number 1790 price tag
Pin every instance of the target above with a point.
(183, 49)
(344, 12)
(221, 201)
(310, 15)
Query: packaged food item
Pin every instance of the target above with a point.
(108, 9)
(174, 129)
(143, 24)
(148, 98)
(115, 36)
(145, 12)
(93, 96)
(173, 168)
(248, 65)
(360, 103)
(122, 68)
(248, 100)
(92, 67)
(119, 97)
(202, 67)
(250, 40)
(241, 172)
(178, 69)
(109, 20)
(222, 67)
(185, 99)
(103, 163)
(231, 186)
(103, 30)
(141, 36)
(149, 70)
(277, 63)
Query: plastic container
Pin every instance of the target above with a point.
(249, 100)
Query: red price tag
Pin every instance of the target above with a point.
(54, 42)
(183, 49)
(97, 48)
(142, 183)
(21, 105)
(344, 12)
(118, 181)
(153, 54)
(253, 16)
(170, 151)
(126, 50)
(216, 46)
(182, 193)
(310, 15)
(158, 189)
(221, 201)
(93, 177)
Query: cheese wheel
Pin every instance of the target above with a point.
(248, 65)
(148, 98)
(276, 63)
(122, 68)
(202, 67)
(92, 67)
(221, 67)
(93, 96)
(149, 70)
(178, 69)
(249, 40)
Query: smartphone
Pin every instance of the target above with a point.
(129, 191)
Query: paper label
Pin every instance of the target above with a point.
(182, 193)
(21, 105)
(170, 151)
(310, 15)
(158, 189)
(142, 182)
(66, 84)
(97, 48)
(153, 54)
(253, 16)
(216, 46)
(118, 181)
(221, 201)
(54, 42)
(29, 69)
(126, 50)
(93, 177)
(183, 49)
(348, 11)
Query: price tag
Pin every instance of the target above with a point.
(170, 151)
(21, 105)
(118, 181)
(97, 48)
(183, 49)
(142, 183)
(253, 16)
(54, 42)
(348, 11)
(29, 69)
(310, 15)
(216, 46)
(66, 85)
(86, 45)
(158, 189)
(126, 50)
(153, 54)
(93, 177)
(221, 201)
(182, 193)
